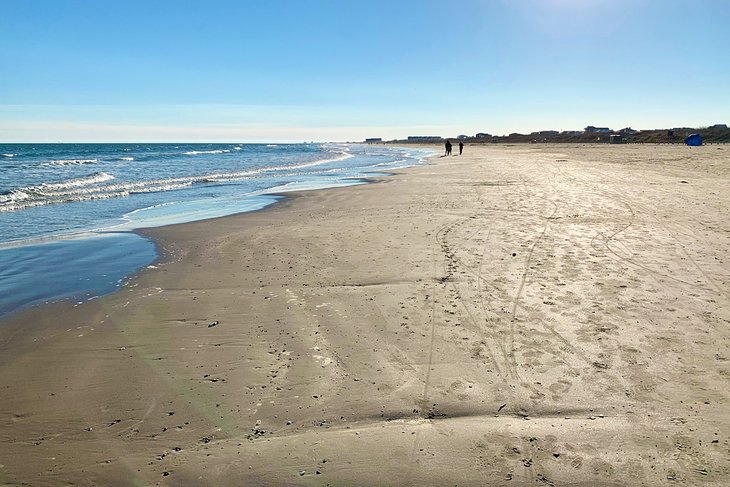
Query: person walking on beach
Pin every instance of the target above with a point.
(448, 148)
(461, 147)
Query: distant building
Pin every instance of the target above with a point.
(482, 135)
(616, 139)
(628, 131)
(463, 137)
(425, 138)
(373, 140)
(597, 130)
(718, 126)
(546, 133)
(571, 132)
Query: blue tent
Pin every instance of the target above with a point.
(693, 139)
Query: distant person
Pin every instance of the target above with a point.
(448, 148)
(461, 147)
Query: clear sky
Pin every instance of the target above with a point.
(278, 70)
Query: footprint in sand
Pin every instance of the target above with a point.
(560, 388)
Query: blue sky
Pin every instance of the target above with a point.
(280, 70)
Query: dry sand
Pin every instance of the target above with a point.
(520, 315)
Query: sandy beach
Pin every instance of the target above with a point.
(518, 315)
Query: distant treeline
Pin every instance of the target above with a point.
(709, 135)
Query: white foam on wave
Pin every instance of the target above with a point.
(95, 178)
(70, 162)
(390, 163)
(48, 193)
(155, 188)
(228, 177)
(30, 203)
(8, 155)
(84, 189)
(272, 145)
(319, 162)
(241, 175)
(126, 158)
(13, 196)
(146, 208)
(199, 152)
(92, 187)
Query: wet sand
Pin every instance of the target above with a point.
(518, 315)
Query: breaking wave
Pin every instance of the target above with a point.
(199, 152)
(98, 177)
(102, 185)
(71, 162)
(47, 193)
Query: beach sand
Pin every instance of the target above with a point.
(518, 315)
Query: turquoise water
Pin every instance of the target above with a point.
(67, 210)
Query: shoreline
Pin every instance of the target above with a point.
(283, 200)
(46, 248)
(510, 315)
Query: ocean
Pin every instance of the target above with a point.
(67, 211)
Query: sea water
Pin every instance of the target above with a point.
(67, 211)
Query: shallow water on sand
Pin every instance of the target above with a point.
(80, 269)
